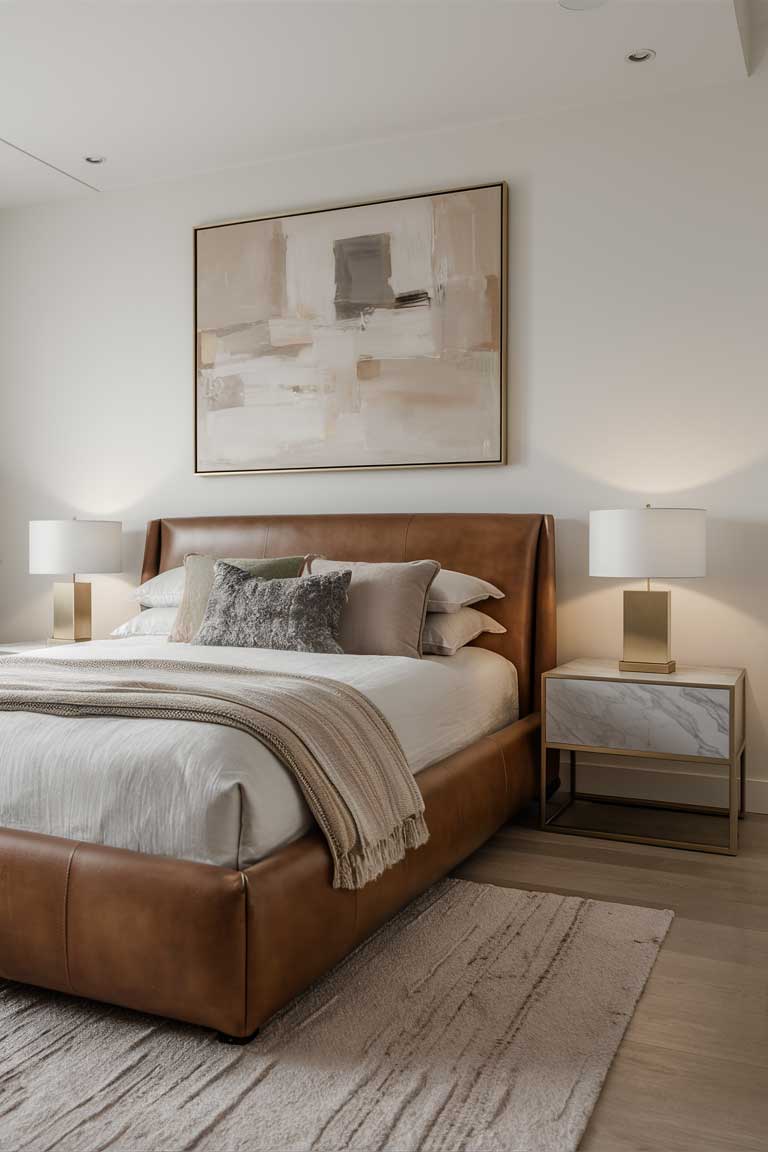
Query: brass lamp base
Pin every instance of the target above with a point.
(646, 632)
(646, 666)
(71, 612)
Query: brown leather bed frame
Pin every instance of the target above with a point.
(225, 949)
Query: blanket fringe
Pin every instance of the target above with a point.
(358, 867)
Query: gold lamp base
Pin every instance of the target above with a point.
(71, 612)
(647, 618)
(646, 666)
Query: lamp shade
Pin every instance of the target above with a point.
(57, 547)
(647, 542)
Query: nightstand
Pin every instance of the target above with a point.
(695, 715)
(17, 647)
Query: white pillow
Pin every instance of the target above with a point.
(446, 632)
(163, 591)
(451, 591)
(153, 622)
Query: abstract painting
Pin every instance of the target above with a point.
(362, 337)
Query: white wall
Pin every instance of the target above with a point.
(639, 357)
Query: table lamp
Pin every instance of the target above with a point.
(647, 543)
(59, 546)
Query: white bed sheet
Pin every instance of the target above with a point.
(213, 794)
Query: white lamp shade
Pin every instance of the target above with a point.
(58, 547)
(642, 543)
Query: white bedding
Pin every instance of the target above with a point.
(214, 794)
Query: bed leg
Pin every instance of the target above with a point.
(224, 1038)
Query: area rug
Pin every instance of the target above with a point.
(482, 1018)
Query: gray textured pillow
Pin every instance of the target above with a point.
(249, 612)
(387, 605)
(198, 582)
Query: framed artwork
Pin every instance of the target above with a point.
(371, 336)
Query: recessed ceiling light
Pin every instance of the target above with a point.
(581, 5)
(640, 56)
(94, 159)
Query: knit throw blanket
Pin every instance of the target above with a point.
(346, 759)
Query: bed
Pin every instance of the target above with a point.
(220, 923)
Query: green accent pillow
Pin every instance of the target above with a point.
(198, 582)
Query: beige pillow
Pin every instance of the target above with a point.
(445, 633)
(198, 581)
(453, 591)
(386, 605)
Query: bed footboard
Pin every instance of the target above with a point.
(222, 948)
(159, 935)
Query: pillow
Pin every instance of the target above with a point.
(199, 581)
(454, 590)
(162, 591)
(386, 606)
(446, 632)
(153, 622)
(250, 612)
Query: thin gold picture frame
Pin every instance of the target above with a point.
(503, 336)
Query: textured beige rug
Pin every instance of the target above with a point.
(482, 1018)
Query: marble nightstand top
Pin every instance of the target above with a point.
(591, 669)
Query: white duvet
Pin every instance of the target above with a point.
(214, 794)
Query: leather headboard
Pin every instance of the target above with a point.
(514, 552)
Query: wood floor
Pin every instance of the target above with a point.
(692, 1072)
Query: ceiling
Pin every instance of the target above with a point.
(170, 88)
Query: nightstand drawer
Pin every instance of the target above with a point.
(669, 719)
